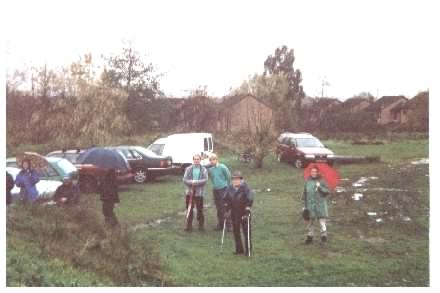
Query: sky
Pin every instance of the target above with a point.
(355, 46)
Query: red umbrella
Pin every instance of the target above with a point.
(330, 175)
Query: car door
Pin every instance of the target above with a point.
(289, 149)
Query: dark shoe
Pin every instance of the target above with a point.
(201, 228)
(309, 240)
(323, 238)
(188, 229)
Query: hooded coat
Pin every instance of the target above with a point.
(26, 180)
(315, 198)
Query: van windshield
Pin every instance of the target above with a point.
(156, 148)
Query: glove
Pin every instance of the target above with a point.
(247, 213)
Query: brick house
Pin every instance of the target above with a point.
(244, 113)
(414, 114)
(382, 109)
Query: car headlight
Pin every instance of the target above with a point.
(309, 156)
(331, 156)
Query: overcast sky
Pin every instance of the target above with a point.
(356, 46)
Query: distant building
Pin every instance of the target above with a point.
(244, 113)
(354, 105)
(414, 114)
(383, 107)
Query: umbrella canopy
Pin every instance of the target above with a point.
(37, 160)
(104, 158)
(330, 175)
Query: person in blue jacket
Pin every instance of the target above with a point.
(238, 202)
(27, 180)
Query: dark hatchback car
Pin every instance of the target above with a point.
(146, 165)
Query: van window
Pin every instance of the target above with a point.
(210, 144)
(205, 144)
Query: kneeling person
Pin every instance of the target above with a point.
(238, 200)
(67, 193)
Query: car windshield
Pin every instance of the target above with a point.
(148, 152)
(66, 166)
(309, 143)
(156, 148)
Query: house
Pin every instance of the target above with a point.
(382, 109)
(354, 105)
(414, 114)
(244, 113)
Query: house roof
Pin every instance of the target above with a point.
(420, 99)
(326, 102)
(353, 102)
(384, 101)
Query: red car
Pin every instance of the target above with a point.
(302, 149)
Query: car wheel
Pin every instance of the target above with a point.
(299, 164)
(140, 175)
(88, 184)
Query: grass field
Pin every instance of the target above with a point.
(382, 239)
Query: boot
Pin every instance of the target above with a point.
(309, 240)
(323, 238)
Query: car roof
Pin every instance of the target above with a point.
(71, 151)
(296, 135)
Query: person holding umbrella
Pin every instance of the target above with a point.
(108, 190)
(316, 189)
(26, 180)
(238, 203)
(195, 179)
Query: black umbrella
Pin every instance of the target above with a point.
(104, 158)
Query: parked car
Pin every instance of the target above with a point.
(181, 147)
(301, 149)
(46, 188)
(57, 169)
(70, 155)
(146, 164)
(89, 174)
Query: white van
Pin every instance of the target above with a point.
(183, 146)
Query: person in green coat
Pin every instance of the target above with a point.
(315, 204)
(221, 180)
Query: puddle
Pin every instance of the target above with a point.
(406, 219)
(373, 178)
(379, 220)
(340, 189)
(372, 214)
(423, 161)
(361, 181)
(357, 196)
